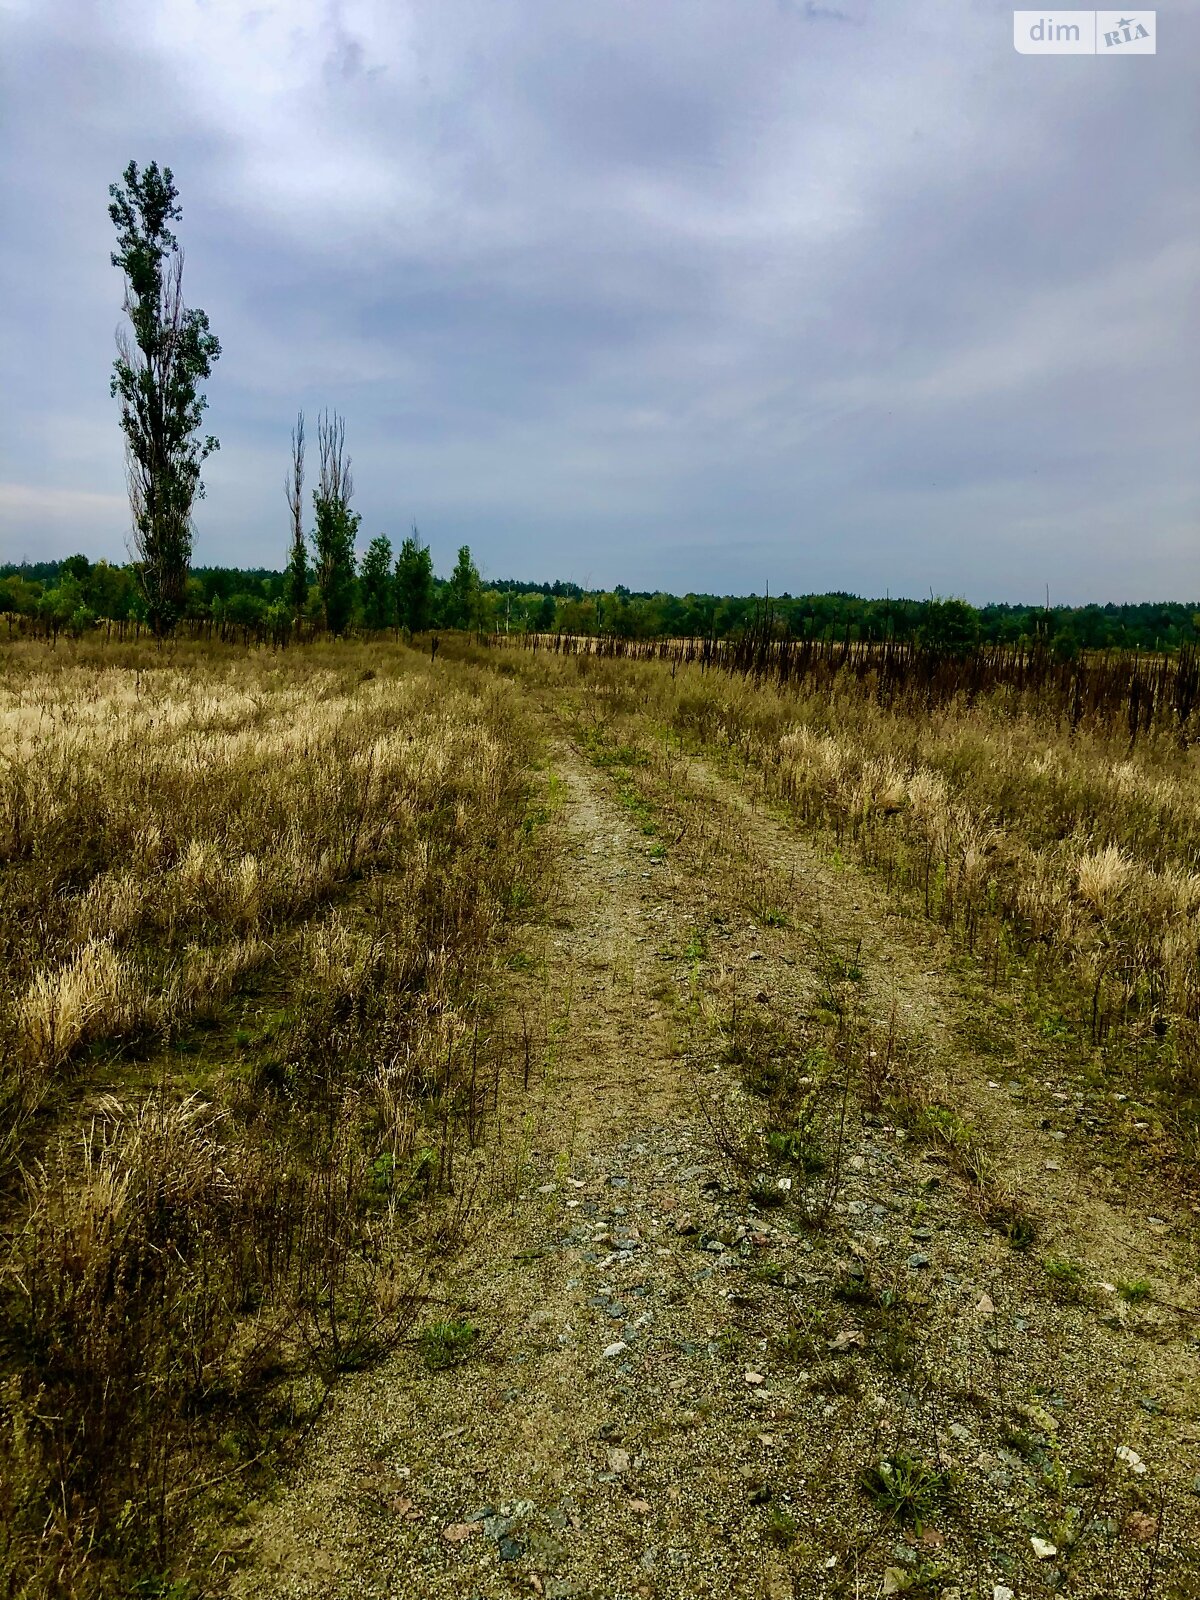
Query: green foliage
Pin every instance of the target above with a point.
(782, 1527)
(1136, 1291)
(156, 377)
(1066, 1276)
(375, 582)
(414, 585)
(1016, 1225)
(907, 1489)
(950, 625)
(336, 528)
(420, 598)
(446, 1344)
(333, 538)
(460, 602)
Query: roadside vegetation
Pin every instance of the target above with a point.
(1065, 860)
(252, 924)
(975, 1381)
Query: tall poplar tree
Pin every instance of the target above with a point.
(336, 525)
(414, 585)
(163, 356)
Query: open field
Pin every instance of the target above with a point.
(529, 1123)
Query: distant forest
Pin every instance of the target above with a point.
(74, 595)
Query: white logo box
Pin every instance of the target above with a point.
(1085, 33)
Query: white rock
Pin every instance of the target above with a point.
(1042, 1548)
(614, 1350)
(1001, 1592)
(1131, 1459)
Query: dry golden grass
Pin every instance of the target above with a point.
(1060, 851)
(255, 901)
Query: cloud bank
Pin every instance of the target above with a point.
(706, 294)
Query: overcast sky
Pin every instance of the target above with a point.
(691, 294)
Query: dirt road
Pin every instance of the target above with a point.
(687, 1374)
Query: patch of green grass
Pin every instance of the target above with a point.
(1026, 1445)
(1053, 1025)
(536, 817)
(927, 1577)
(782, 1527)
(770, 1272)
(799, 1146)
(796, 1344)
(1136, 1291)
(447, 1343)
(638, 807)
(617, 755)
(774, 917)
(1066, 1276)
(898, 1351)
(519, 896)
(963, 1143)
(845, 971)
(1015, 1224)
(907, 1489)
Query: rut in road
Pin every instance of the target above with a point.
(682, 1379)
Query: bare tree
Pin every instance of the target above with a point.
(293, 488)
(336, 484)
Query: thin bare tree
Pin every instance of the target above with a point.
(293, 488)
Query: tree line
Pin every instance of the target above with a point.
(390, 589)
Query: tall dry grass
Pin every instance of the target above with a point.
(306, 862)
(1064, 853)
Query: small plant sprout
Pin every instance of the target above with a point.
(905, 1488)
(1135, 1291)
(448, 1343)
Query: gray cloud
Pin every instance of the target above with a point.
(704, 294)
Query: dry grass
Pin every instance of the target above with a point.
(1062, 855)
(257, 901)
